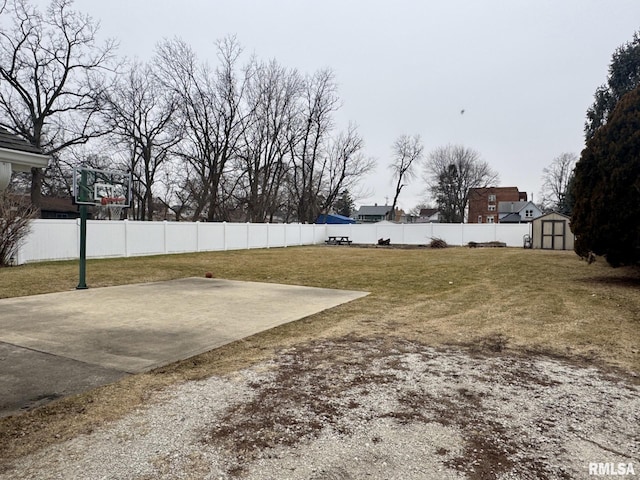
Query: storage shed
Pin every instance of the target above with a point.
(552, 231)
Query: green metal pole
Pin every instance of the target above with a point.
(82, 196)
(82, 283)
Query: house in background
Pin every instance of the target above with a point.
(373, 213)
(378, 213)
(54, 207)
(483, 202)
(402, 217)
(428, 215)
(517, 212)
(59, 207)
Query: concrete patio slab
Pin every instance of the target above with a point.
(83, 338)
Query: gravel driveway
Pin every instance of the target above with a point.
(373, 408)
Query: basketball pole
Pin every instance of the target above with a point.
(82, 191)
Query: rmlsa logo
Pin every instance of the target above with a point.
(611, 469)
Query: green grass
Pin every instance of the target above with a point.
(538, 299)
(522, 300)
(532, 296)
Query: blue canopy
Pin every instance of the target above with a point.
(334, 218)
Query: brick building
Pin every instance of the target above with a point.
(483, 202)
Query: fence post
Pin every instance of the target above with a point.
(126, 237)
(197, 236)
(224, 236)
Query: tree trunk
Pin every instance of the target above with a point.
(37, 176)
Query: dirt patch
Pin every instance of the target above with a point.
(391, 246)
(378, 408)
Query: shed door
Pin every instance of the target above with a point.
(553, 234)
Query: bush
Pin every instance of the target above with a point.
(438, 243)
(15, 216)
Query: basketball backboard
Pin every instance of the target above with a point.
(101, 187)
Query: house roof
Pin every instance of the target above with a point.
(58, 204)
(428, 212)
(511, 218)
(13, 142)
(482, 191)
(512, 207)
(52, 204)
(493, 190)
(374, 209)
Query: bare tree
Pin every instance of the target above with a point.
(555, 183)
(407, 151)
(450, 173)
(15, 218)
(264, 158)
(140, 112)
(174, 196)
(47, 65)
(319, 102)
(211, 110)
(344, 167)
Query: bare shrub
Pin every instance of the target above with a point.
(438, 243)
(16, 213)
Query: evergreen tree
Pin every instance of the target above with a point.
(624, 76)
(606, 188)
(344, 204)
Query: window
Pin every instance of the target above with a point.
(492, 208)
(489, 218)
(528, 213)
(479, 218)
(492, 198)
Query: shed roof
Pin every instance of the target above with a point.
(554, 213)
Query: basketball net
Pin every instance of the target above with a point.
(111, 207)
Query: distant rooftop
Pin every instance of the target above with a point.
(428, 212)
(374, 210)
(511, 207)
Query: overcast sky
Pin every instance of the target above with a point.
(524, 72)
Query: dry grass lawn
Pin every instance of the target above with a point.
(521, 301)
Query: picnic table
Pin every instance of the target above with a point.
(338, 240)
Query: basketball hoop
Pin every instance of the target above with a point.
(111, 207)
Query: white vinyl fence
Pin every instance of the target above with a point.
(423, 233)
(60, 239)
